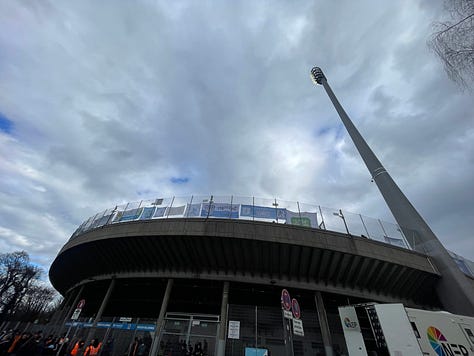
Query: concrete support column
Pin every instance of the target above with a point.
(323, 323)
(59, 315)
(101, 311)
(223, 320)
(161, 318)
(71, 308)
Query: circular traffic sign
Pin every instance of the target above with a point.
(285, 299)
(81, 304)
(295, 307)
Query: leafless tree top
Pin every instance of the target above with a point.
(453, 42)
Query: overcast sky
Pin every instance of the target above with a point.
(104, 102)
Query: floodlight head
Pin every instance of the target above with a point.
(317, 75)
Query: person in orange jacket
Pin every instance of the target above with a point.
(77, 348)
(93, 348)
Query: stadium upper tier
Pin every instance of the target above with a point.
(250, 208)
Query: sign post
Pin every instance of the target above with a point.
(74, 316)
(234, 329)
(287, 316)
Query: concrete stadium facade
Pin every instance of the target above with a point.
(171, 281)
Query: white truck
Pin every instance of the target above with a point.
(392, 329)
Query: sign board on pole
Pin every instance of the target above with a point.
(234, 329)
(124, 319)
(81, 304)
(295, 307)
(287, 314)
(76, 314)
(285, 300)
(298, 327)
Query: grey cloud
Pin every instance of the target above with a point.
(121, 98)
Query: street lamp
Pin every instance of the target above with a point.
(454, 289)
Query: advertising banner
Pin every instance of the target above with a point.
(251, 351)
(176, 210)
(193, 210)
(302, 219)
(100, 221)
(159, 212)
(147, 213)
(263, 212)
(220, 210)
(131, 214)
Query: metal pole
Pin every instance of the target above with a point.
(256, 328)
(344, 219)
(223, 320)
(455, 290)
(365, 227)
(322, 218)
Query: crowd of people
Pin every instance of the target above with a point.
(180, 348)
(16, 343)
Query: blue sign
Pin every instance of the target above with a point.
(251, 351)
(220, 210)
(120, 326)
(193, 210)
(146, 327)
(263, 212)
(160, 212)
(147, 213)
(105, 325)
(131, 214)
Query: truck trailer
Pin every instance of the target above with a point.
(392, 329)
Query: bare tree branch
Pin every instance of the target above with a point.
(453, 42)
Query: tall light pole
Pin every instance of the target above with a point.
(455, 290)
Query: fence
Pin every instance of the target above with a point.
(257, 209)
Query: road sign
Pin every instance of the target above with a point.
(124, 319)
(76, 314)
(81, 304)
(287, 314)
(234, 329)
(285, 300)
(295, 307)
(298, 327)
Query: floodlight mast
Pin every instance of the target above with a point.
(455, 290)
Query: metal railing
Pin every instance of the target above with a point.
(257, 209)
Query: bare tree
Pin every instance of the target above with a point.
(37, 301)
(453, 42)
(17, 276)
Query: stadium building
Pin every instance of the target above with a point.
(245, 276)
(211, 270)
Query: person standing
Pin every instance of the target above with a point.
(78, 346)
(93, 348)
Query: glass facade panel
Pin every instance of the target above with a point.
(175, 326)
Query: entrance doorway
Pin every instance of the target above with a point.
(184, 331)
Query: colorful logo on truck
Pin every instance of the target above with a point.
(441, 346)
(349, 324)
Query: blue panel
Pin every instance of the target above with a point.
(251, 351)
(220, 210)
(262, 212)
(147, 213)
